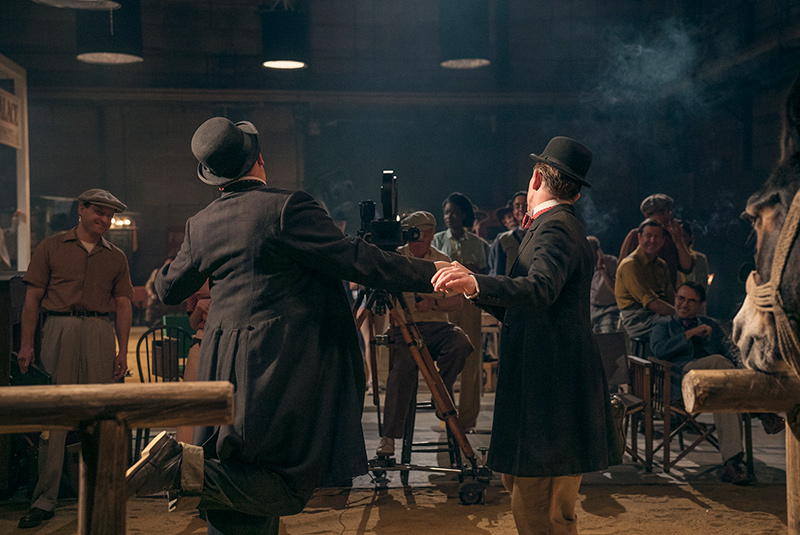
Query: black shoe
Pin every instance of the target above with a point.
(34, 517)
(159, 468)
(772, 423)
(733, 472)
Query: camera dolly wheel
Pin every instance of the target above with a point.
(471, 493)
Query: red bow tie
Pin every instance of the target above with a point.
(528, 220)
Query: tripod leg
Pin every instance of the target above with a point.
(441, 397)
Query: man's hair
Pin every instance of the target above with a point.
(649, 223)
(464, 204)
(698, 289)
(559, 185)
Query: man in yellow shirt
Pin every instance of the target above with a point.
(643, 289)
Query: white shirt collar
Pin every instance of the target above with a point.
(543, 206)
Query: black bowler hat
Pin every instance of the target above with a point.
(569, 157)
(226, 151)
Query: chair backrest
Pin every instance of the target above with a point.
(613, 352)
(662, 384)
(161, 353)
(178, 320)
(640, 378)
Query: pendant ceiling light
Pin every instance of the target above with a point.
(464, 33)
(284, 36)
(110, 37)
(81, 4)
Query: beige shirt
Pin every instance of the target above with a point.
(76, 280)
(433, 255)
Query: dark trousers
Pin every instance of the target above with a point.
(448, 346)
(246, 499)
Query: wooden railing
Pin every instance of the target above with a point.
(105, 414)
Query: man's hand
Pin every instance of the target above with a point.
(700, 330)
(121, 364)
(441, 265)
(455, 278)
(675, 230)
(24, 358)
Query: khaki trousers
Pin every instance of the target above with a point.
(74, 351)
(469, 397)
(544, 505)
(728, 424)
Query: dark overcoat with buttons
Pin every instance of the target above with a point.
(280, 328)
(552, 414)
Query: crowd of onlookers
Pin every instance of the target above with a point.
(654, 291)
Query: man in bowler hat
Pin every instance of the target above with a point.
(552, 419)
(280, 329)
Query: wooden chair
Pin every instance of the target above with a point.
(160, 357)
(640, 386)
(676, 419)
(613, 352)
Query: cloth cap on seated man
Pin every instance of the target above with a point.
(102, 197)
(225, 151)
(420, 220)
(655, 203)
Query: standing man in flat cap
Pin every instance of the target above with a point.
(281, 330)
(675, 251)
(448, 345)
(78, 280)
(552, 419)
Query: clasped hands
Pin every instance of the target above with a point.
(453, 277)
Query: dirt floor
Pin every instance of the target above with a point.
(708, 509)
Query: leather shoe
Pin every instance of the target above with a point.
(386, 447)
(158, 470)
(34, 517)
(733, 472)
(772, 423)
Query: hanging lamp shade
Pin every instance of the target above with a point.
(110, 37)
(80, 4)
(284, 39)
(464, 33)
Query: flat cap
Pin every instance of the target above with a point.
(420, 220)
(102, 198)
(655, 203)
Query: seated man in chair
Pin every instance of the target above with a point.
(692, 342)
(448, 345)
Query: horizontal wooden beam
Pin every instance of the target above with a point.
(276, 96)
(36, 408)
(740, 391)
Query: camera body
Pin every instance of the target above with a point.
(386, 232)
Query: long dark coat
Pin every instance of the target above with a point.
(280, 329)
(552, 414)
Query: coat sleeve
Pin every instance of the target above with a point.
(722, 343)
(180, 278)
(666, 345)
(311, 237)
(555, 259)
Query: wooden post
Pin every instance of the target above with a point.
(793, 469)
(751, 391)
(105, 413)
(102, 492)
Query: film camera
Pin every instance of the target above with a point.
(386, 232)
